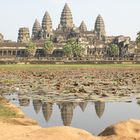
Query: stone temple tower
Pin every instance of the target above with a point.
(36, 30)
(23, 35)
(66, 20)
(46, 26)
(100, 28)
(83, 27)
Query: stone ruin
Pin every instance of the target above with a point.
(94, 41)
(23, 35)
(66, 29)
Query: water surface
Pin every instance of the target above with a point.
(91, 116)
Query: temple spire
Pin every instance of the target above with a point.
(83, 27)
(100, 27)
(46, 25)
(36, 30)
(66, 20)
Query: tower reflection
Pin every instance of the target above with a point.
(47, 109)
(99, 108)
(24, 102)
(67, 109)
(83, 105)
(37, 105)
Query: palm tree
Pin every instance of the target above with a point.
(78, 50)
(48, 47)
(31, 49)
(73, 49)
(68, 50)
(113, 50)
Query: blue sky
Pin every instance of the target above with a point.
(122, 17)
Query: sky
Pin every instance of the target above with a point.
(121, 17)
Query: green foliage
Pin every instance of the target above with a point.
(138, 39)
(39, 66)
(48, 46)
(73, 48)
(6, 112)
(113, 50)
(31, 49)
(68, 48)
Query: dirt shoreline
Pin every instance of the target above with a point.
(23, 128)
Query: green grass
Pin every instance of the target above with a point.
(6, 112)
(70, 66)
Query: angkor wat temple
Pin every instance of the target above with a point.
(95, 41)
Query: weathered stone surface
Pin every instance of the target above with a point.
(66, 21)
(100, 27)
(24, 35)
(36, 30)
(46, 25)
(83, 27)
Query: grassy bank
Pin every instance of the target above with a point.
(104, 66)
(5, 110)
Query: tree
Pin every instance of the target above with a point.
(78, 50)
(73, 49)
(138, 39)
(68, 50)
(48, 47)
(113, 50)
(31, 49)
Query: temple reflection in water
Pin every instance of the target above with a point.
(24, 102)
(37, 105)
(83, 105)
(99, 108)
(47, 109)
(66, 109)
